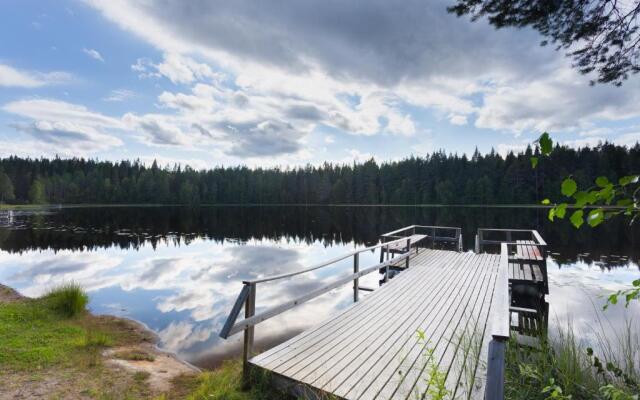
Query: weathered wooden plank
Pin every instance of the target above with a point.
(341, 345)
(292, 348)
(443, 343)
(473, 342)
(401, 355)
(357, 353)
(395, 335)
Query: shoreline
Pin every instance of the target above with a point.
(133, 356)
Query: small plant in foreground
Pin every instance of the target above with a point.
(68, 300)
(436, 380)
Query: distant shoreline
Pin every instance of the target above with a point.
(7, 207)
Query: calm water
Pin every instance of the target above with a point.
(178, 270)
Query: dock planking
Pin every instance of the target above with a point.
(372, 350)
(446, 315)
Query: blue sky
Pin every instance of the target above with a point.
(208, 83)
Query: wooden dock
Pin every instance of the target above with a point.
(372, 350)
(440, 325)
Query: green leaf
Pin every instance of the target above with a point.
(602, 181)
(595, 217)
(613, 299)
(534, 162)
(568, 187)
(636, 283)
(561, 210)
(552, 214)
(624, 202)
(546, 144)
(581, 198)
(577, 218)
(626, 180)
(546, 201)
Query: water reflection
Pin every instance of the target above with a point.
(179, 270)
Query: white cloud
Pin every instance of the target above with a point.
(252, 82)
(93, 53)
(457, 119)
(64, 128)
(12, 77)
(562, 101)
(628, 139)
(118, 95)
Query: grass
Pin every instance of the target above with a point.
(68, 300)
(224, 384)
(563, 368)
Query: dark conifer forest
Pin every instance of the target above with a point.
(438, 178)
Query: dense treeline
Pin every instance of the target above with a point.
(434, 179)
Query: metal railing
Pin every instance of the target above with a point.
(500, 325)
(247, 296)
(434, 233)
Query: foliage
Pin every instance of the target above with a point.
(628, 294)
(68, 300)
(436, 178)
(435, 379)
(601, 201)
(6, 188)
(562, 369)
(224, 383)
(36, 192)
(600, 35)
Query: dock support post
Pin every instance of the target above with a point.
(406, 263)
(494, 389)
(249, 311)
(356, 283)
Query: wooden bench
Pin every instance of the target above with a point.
(528, 265)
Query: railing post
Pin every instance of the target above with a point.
(408, 251)
(509, 236)
(494, 389)
(459, 232)
(249, 311)
(477, 246)
(480, 239)
(356, 283)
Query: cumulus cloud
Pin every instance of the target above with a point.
(274, 76)
(12, 77)
(175, 67)
(93, 53)
(560, 101)
(65, 128)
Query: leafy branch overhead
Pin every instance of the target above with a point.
(594, 204)
(600, 35)
(601, 201)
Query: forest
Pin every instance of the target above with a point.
(437, 178)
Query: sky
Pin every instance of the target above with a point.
(286, 83)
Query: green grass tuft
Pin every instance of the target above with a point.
(564, 368)
(68, 300)
(224, 383)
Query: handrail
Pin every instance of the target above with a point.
(500, 317)
(500, 327)
(247, 296)
(276, 310)
(389, 234)
(321, 265)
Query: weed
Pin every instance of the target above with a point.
(68, 300)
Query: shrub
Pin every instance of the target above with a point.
(68, 300)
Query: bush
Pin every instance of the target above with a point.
(68, 300)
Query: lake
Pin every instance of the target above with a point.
(178, 270)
